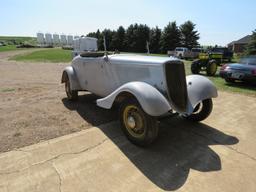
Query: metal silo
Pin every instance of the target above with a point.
(70, 40)
(48, 39)
(63, 39)
(56, 39)
(40, 38)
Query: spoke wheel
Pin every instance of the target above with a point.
(139, 127)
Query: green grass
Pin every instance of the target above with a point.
(12, 41)
(8, 48)
(220, 83)
(47, 55)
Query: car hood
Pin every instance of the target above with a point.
(139, 59)
(241, 66)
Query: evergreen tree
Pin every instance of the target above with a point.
(154, 40)
(108, 34)
(251, 47)
(136, 38)
(189, 36)
(170, 38)
(118, 39)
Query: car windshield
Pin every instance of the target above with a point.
(248, 60)
(179, 49)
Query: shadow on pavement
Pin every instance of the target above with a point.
(181, 145)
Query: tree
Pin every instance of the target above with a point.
(189, 36)
(251, 47)
(118, 39)
(170, 38)
(108, 34)
(136, 38)
(154, 40)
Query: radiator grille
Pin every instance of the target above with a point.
(176, 85)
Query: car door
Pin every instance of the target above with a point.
(94, 76)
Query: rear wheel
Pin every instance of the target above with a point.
(195, 67)
(211, 67)
(201, 111)
(139, 127)
(71, 94)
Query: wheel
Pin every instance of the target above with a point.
(139, 127)
(201, 111)
(228, 80)
(71, 95)
(211, 67)
(195, 67)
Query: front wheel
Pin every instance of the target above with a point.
(139, 127)
(201, 111)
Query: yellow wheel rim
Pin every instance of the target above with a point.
(133, 121)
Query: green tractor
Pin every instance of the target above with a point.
(207, 62)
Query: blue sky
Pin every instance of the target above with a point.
(219, 21)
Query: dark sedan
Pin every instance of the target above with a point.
(244, 70)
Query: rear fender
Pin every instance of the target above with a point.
(150, 99)
(69, 73)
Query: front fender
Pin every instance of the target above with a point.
(199, 88)
(69, 73)
(150, 99)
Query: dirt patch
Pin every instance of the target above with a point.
(33, 107)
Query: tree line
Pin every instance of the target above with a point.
(136, 36)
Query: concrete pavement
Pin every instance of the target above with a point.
(216, 155)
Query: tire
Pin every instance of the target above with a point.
(211, 67)
(195, 67)
(139, 127)
(201, 111)
(71, 95)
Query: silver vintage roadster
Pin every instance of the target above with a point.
(146, 87)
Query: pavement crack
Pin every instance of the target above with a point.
(59, 176)
(55, 157)
(241, 153)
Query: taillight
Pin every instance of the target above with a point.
(224, 67)
(254, 72)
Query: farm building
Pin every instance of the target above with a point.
(239, 45)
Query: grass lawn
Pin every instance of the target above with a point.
(47, 55)
(8, 48)
(12, 41)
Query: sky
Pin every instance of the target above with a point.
(218, 22)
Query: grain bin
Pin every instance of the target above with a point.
(63, 39)
(40, 38)
(48, 39)
(56, 39)
(70, 40)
